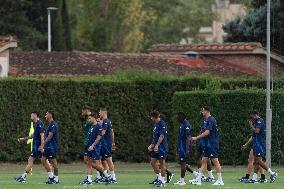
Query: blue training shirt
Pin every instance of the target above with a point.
(159, 129)
(53, 142)
(211, 140)
(93, 133)
(38, 129)
(184, 132)
(202, 127)
(259, 139)
(107, 127)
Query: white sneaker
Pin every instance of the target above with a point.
(180, 183)
(195, 182)
(218, 183)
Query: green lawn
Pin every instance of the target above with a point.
(136, 176)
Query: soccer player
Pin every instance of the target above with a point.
(108, 144)
(49, 149)
(258, 140)
(93, 150)
(210, 177)
(38, 141)
(210, 146)
(159, 148)
(184, 147)
(85, 112)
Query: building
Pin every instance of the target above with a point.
(6, 43)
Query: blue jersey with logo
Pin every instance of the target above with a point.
(38, 129)
(53, 142)
(107, 127)
(184, 132)
(211, 140)
(159, 129)
(93, 133)
(259, 139)
(202, 127)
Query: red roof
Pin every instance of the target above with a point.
(205, 47)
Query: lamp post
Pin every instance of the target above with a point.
(49, 9)
(268, 106)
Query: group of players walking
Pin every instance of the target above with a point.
(207, 143)
(99, 144)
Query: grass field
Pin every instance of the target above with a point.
(136, 176)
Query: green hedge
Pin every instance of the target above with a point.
(231, 109)
(129, 96)
(129, 104)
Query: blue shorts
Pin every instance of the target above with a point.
(106, 152)
(199, 150)
(36, 153)
(183, 156)
(95, 154)
(49, 153)
(210, 152)
(161, 154)
(258, 152)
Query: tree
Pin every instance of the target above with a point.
(252, 28)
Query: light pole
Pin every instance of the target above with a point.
(49, 9)
(268, 106)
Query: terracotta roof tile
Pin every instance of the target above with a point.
(205, 47)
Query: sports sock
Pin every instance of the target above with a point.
(182, 180)
(219, 177)
(163, 180)
(247, 176)
(262, 176)
(198, 178)
(98, 175)
(270, 171)
(112, 175)
(160, 177)
(24, 175)
(89, 177)
(210, 175)
(105, 173)
(254, 176)
(50, 174)
(56, 178)
(195, 173)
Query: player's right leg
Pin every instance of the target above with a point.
(155, 167)
(89, 170)
(22, 178)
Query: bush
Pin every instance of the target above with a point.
(129, 96)
(231, 110)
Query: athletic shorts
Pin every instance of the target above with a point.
(210, 152)
(258, 152)
(36, 153)
(161, 154)
(49, 153)
(95, 154)
(183, 156)
(106, 152)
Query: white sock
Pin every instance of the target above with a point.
(163, 180)
(198, 178)
(181, 180)
(254, 176)
(195, 173)
(112, 175)
(210, 175)
(98, 175)
(219, 177)
(160, 177)
(50, 174)
(24, 175)
(89, 177)
(105, 173)
(270, 171)
(56, 178)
